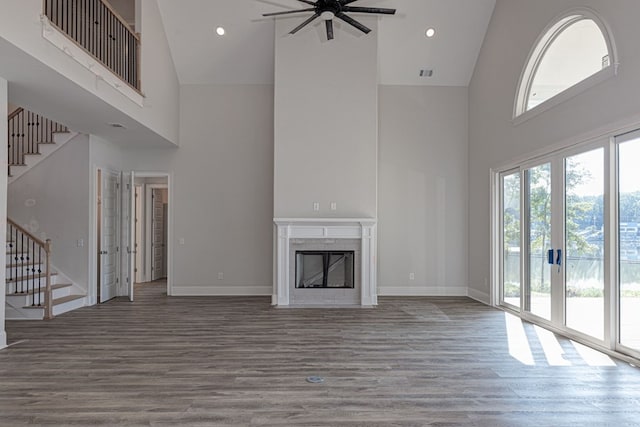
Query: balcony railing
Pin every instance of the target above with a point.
(96, 26)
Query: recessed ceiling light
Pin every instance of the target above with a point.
(220, 31)
(430, 32)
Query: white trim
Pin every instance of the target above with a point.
(557, 26)
(423, 291)
(253, 290)
(170, 223)
(567, 94)
(479, 296)
(3, 339)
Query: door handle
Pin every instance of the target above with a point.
(104, 252)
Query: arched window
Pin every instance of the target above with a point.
(574, 48)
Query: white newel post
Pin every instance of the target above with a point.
(319, 229)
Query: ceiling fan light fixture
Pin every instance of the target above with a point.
(327, 15)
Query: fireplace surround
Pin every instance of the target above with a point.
(352, 238)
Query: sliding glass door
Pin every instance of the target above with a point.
(552, 240)
(628, 228)
(538, 227)
(584, 242)
(569, 242)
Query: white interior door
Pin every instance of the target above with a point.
(138, 244)
(108, 200)
(157, 234)
(131, 234)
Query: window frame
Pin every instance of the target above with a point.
(537, 54)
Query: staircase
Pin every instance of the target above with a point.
(32, 138)
(34, 291)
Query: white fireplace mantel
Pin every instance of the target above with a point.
(327, 229)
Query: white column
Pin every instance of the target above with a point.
(3, 201)
(282, 266)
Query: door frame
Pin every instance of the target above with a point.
(148, 243)
(169, 220)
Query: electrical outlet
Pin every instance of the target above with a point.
(181, 241)
(334, 206)
(220, 276)
(316, 206)
(80, 243)
(412, 276)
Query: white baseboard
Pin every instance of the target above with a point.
(253, 291)
(3, 339)
(479, 296)
(422, 291)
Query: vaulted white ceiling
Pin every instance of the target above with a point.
(245, 55)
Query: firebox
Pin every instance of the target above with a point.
(324, 269)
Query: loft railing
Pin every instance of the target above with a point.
(29, 267)
(27, 130)
(96, 26)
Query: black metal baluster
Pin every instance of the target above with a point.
(15, 262)
(33, 275)
(22, 264)
(40, 275)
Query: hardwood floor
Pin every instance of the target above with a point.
(237, 361)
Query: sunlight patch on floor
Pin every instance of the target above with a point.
(518, 342)
(593, 357)
(553, 351)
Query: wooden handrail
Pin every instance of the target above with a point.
(15, 113)
(31, 236)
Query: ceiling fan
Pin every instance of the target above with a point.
(329, 9)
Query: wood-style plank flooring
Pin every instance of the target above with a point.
(237, 361)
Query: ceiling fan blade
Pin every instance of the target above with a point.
(369, 10)
(288, 12)
(349, 20)
(329, 24)
(308, 2)
(299, 27)
(346, 2)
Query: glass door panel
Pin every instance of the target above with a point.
(629, 242)
(538, 236)
(584, 242)
(511, 287)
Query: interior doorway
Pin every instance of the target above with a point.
(151, 255)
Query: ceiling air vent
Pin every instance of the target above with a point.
(426, 73)
(116, 125)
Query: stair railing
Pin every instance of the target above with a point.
(26, 131)
(29, 267)
(101, 31)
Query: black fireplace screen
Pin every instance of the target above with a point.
(324, 269)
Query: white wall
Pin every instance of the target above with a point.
(326, 121)
(20, 25)
(495, 140)
(159, 79)
(221, 189)
(3, 202)
(423, 193)
(50, 200)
